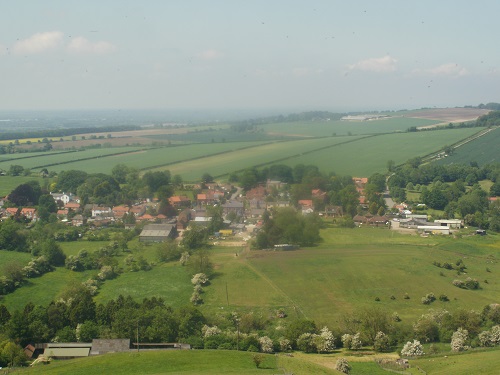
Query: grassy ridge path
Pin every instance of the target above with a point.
(244, 258)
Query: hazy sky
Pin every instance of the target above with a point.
(297, 55)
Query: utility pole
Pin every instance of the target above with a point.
(137, 335)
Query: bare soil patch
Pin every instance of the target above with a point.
(449, 114)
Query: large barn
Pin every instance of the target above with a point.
(157, 232)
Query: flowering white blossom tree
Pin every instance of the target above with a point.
(266, 344)
(459, 339)
(412, 349)
(352, 342)
(325, 341)
(210, 331)
(199, 279)
(285, 344)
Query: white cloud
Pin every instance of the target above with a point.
(375, 64)
(450, 69)
(38, 42)
(83, 45)
(209, 54)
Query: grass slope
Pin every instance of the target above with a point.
(485, 362)
(191, 362)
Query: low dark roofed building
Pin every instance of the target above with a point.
(157, 232)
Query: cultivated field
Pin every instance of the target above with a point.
(327, 128)
(482, 150)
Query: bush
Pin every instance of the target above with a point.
(471, 283)
(412, 349)
(381, 343)
(443, 298)
(428, 299)
(342, 365)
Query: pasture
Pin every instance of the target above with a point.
(343, 274)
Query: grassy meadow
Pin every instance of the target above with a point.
(343, 274)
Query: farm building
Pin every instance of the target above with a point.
(433, 229)
(157, 233)
(453, 224)
(67, 350)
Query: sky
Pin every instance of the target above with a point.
(260, 54)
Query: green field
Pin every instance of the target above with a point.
(484, 362)
(345, 273)
(369, 155)
(9, 183)
(360, 155)
(483, 150)
(348, 155)
(50, 159)
(190, 362)
(327, 128)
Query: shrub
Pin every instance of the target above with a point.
(428, 299)
(285, 344)
(381, 343)
(407, 296)
(471, 283)
(443, 298)
(412, 349)
(305, 342)
(196, 298)
(257, 359)
(342, 365)
(458, 283)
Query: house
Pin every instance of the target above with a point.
(137, 210)
(306, 204)
(334, 211)
(157, 233)
(258, 193)
(72, 206)
(28, 213)
(179, 201)
(78, 220)
(233, 207)
(319, 194)
(101, 211)
(274, 184)
(120, 211)
(65, 198)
